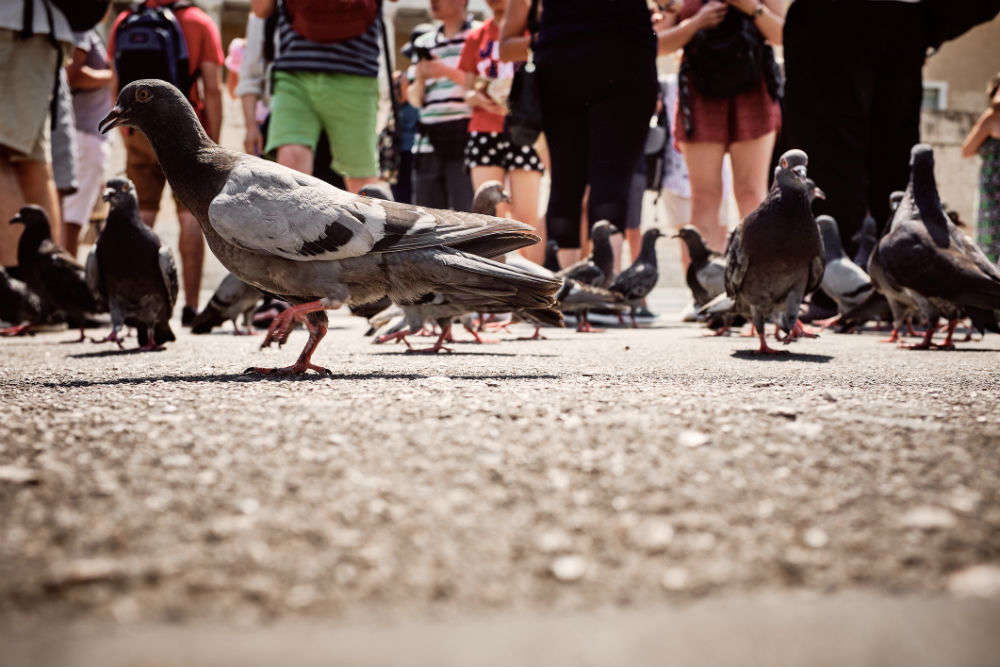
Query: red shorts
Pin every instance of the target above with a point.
(746, 116)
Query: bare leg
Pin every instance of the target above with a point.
(297, 157)
(524, 208)
(704, 162)
(191, 245)
(355, 184)
(71, 237)
(750, 160)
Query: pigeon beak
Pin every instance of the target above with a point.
(108, 194)
(819, 194)
(17, 220)
(114, 118)
(800, 170)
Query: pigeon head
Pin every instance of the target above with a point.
(376, 191)
(830, 234)
(867, 230)
(155, 107)
(36, 230)
(119, 192)
(488, 197)
(922, 184)
(693, 240)
(814, 190)
(601, 230)
(794, 158)
(794, 178)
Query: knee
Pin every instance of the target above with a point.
(751, 192)
(296, 156)
(706, 195)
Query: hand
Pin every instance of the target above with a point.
(431, 69)
(253, 140)
(476, 98)
(746, 6)
(710, 14)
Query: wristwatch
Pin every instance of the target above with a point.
(759, 11)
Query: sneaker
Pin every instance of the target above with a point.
(689, 313)
(187, 316)
(644, 313)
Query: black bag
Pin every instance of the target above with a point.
(728, 59)
(523, 123)
(149, 44)
(82, 14)
(655, 151)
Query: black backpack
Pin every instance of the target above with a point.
(149, 44)
(728, 59)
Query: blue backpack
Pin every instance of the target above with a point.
(149, 44)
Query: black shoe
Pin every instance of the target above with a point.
(187, 316)
(644, 313)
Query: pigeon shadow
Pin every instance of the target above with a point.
(226, 378)
(456, 353)
(784, 356)
(109, 353)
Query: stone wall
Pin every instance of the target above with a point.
(957, 176)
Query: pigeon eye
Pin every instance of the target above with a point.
(142, 95)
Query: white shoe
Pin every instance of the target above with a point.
(689, 313)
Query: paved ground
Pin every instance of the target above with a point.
(624, 481)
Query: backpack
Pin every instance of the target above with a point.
(728, 59)
(325, 21)
(149, 44)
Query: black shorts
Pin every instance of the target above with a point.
(494, 149)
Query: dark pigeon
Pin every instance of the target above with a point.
(489, 195)
(290, 234)
(775, 256)
(19, 306)
(865, 239)
(231, 298)
(705, 274)
(133, 271)
(596, 269)
(50, 272)
(843, 280)
(925, 261)
(552, 256)
(638, 280)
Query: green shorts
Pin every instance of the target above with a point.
(345, 105)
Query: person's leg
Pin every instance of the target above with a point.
(564, 122)
(458, 184)
(191, 245)
(11, 200)
(38, 187)
(524, 185)
(294, 125)
(77, 207)
(143, 170)
(704, 163)
(71, 238)
(751, 160)
(428, 181)
(347, 106)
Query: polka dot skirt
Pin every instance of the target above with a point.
(494, 149)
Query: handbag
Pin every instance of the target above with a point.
(726, 60)
(523, 124)
(389, 156)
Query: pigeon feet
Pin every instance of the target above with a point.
(536, 336)
(81, 339)
(396, 337)
(110, 338)
(583, 326)
(828, 322)
(19, 330)
(151, 346)
(721, 331)
(480, 339)
(893, 337)
(764, 349)
(283, 322)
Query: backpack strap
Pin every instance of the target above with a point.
(393, 102)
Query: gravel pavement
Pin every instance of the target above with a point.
(611, 481)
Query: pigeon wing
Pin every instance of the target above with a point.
(64, 276)
(93, 274)
(736, 264)
(268, 209)
(168, 269)
(712, 277)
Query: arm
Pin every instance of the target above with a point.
(81, 77)
(262, 8)
(676, 36)
(415, 94)
(253, 141)
(435, 69)
(770, 22)
(513, 43)
(980, 132)
(211, 75)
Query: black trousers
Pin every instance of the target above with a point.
(595, 115)
(441, 182)
(852, 101)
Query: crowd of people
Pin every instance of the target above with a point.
(583, 71)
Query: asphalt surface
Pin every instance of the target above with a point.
(604, 477)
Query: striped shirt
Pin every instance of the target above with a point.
(444, 100)
(358, 55)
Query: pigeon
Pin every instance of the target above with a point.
(376, 191)
(865, 239)
(597, 269)
(705, 273)
(19, 306)
(927, 262)
(775, 256)
(133, 271)
(552, 256)
(232, 298)
(50, 272)
(843, 281)
(489, 195)
(293, 235)
(639, 279)
(895, 198)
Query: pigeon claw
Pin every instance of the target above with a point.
(110, 338)
(19, 330)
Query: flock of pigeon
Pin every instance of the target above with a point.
(304, 247)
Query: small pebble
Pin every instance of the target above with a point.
(568, 568)
(692, 439)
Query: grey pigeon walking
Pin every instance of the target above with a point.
(638, 280)
(19, 306)
(775, 256)
(231, 298)
(927, 262)
(50, 272)
(706, 271)
(133, 271)
(293, 235)
(865, 240)
(843, 281)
